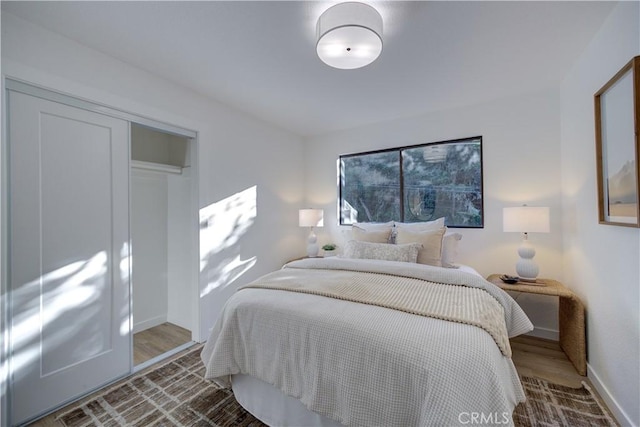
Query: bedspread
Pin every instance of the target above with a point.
(367, 365)
(473, 306)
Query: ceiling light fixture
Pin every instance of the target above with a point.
(349, 35)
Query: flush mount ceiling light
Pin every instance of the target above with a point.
(349, 35)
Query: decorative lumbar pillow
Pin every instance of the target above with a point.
(450, 249)
(378, 234)
(382, 251)
(431, 241)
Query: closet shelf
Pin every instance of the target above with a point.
(156, 167)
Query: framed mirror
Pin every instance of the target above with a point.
(617, 117)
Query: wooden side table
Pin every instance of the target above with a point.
(571, 317)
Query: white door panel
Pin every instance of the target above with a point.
(69, 234)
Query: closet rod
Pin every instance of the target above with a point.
(156, 167)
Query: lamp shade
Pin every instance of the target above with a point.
(526, 219)
(310, 217)
(349, 35)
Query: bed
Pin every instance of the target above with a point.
(301, 347)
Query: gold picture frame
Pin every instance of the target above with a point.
(617, 116)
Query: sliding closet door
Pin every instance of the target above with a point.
(69, 254)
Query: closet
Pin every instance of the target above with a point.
(101, 239)
(163, 294)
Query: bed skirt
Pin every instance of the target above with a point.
(273, 407)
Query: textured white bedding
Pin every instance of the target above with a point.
(367, 365)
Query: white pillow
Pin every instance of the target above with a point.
(450, 249)
(372, 232)
(382, 251)
(421, 226)
(416, 227)
(374, 226)
(431, 241)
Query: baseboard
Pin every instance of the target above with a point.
(149, 323)
(163, 356)
(545, 333)
(619, 413)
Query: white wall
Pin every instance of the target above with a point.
(521, 156)
(235, 153)
(149, 242)
(601, 261)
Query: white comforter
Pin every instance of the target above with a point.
(366, 365)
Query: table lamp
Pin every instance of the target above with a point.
(526, 219)
(311, 218)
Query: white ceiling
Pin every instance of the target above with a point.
(259, 56)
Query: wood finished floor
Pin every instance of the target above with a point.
(544, 359)
(532, 356)
(157, 340)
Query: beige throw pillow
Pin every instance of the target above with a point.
(431, 252)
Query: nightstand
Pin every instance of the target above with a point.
(571, 317)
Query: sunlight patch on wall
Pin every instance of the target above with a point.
(222, 225)
(227, 273)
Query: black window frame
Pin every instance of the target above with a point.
(400, 150)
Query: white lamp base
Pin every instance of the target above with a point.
(526, 267)
(312, 246)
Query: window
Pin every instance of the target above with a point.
(416, 183)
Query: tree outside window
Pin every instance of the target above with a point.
(416, 183)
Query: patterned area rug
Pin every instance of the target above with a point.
(551, 404)
(175, 394)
